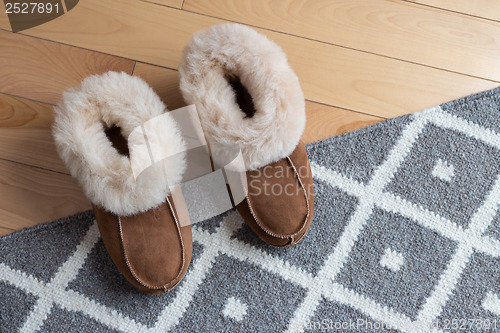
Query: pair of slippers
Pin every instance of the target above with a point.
(246, 95)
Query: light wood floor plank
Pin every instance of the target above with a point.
(29, 195)
(489, 9)
(117, 27)
(25, 133)
(42, 70)
(164, 81)
(325, 121)
(329, 74)
(169, 3)
(398, 29)
(5, 231)
(4, 20)
(382, 87)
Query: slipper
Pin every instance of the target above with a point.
(247, 95)
(137, 217)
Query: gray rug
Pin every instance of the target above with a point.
(405, 238)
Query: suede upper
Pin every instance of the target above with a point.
(280, 201)
(151, 250)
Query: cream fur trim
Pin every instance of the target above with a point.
(106, 175)
(236, 50)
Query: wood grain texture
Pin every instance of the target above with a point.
(4, 19)
(5, 231)
(164, 81)
(329, 74)
(324, 121)
(398, 29)
(488, 9)
(29, 196)
(382, 87)
(42, 70)
(169, 3)
(118, 27)
(25, 133)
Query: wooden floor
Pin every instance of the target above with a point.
(359, 62)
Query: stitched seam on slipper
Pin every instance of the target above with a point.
(166, 286)
(307, 203)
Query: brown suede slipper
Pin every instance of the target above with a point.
(280, 201)
(151, 249)
(147, 236)
(247, 96)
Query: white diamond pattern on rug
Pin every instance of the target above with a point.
(443, 171)
(474, 162)
(492, 303)
(236, 284)
(235, 309)
(392, 260)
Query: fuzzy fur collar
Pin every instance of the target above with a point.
(105, 175)
(229, 50)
